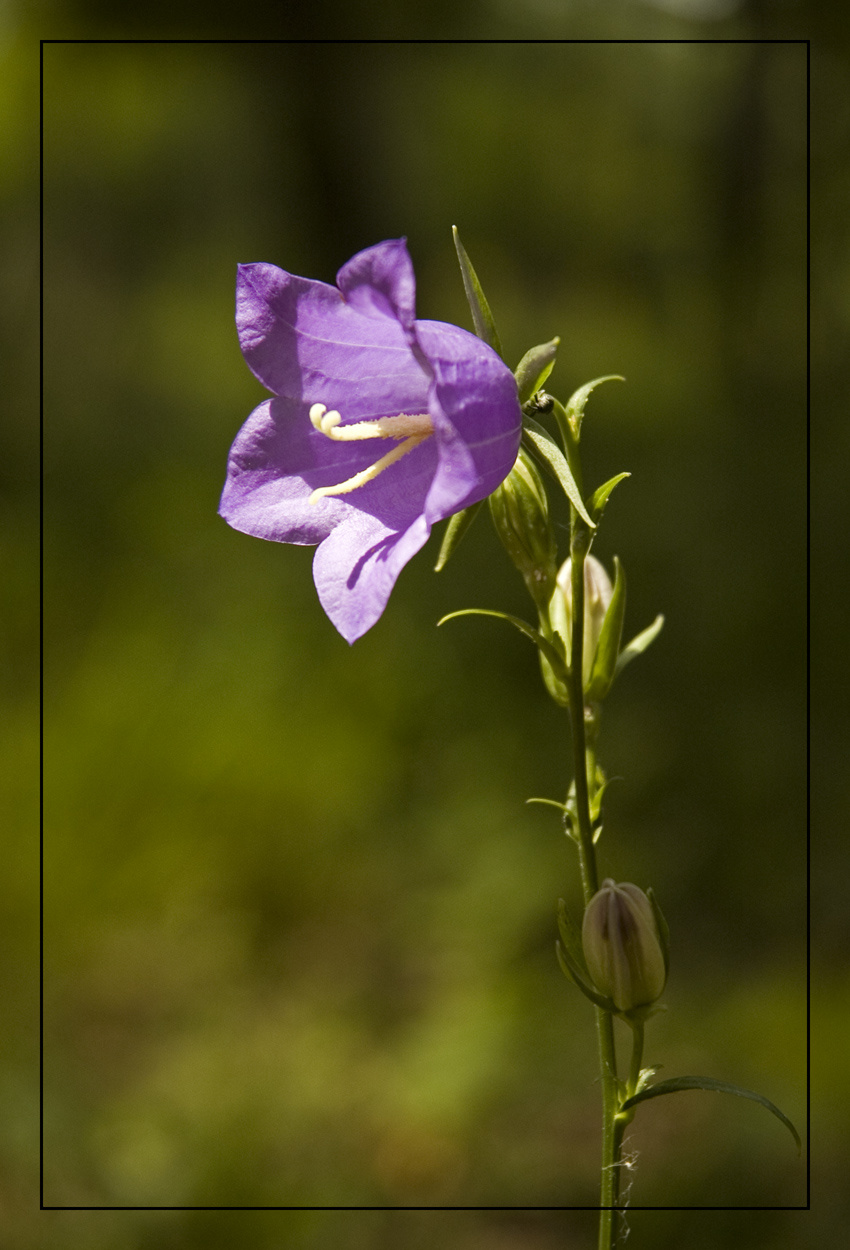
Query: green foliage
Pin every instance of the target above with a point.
(639, 644)
(578, 401)
(455, 530)
(599, 498)
(549, 454)
(482, 318)
(552, 655)
(677, 1083)
(534, 368)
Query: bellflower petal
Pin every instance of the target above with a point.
(379, 426)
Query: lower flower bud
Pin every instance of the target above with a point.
(623, 946)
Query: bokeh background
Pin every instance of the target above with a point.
(298, 918)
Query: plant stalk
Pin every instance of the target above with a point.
(585, 778)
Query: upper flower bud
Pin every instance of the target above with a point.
(520, 512)
(597, 596)
(624, 945)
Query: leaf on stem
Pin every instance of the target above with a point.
(534, 368)
(454, 532)
(542, 444)
(639, 644)
(575, 407)
(573, 973)
(676, 1083)
(571, 939)
(562, 807)
(543, 645)
(482, 318)
(599, 498)
(599, 794)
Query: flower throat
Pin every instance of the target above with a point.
(412, 429)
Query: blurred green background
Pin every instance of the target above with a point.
(299, 921)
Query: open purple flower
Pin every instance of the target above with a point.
(379, 426)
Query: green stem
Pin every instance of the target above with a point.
(637, 1055)
(585, 772)
(615, 1169)
(622, 1121)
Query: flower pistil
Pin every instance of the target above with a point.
(413, 429)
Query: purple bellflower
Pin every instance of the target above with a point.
(379, 426)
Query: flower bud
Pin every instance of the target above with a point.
(597, 595)
(623, 946)
(520, 512)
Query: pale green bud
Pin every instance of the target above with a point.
(597, 595)
(520, 512)
(623, 946)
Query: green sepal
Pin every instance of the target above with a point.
(572, 973)
(676, 1083)
(571, 940)
(646, 1012)
(638, 644)
(534, 368)
(597, 501)
(608, 647)
(546, 450)
(482, 318)
(663, 929)
(558, 689)
(455, 531)
(575, 407)
(543, 646)
(596, 801)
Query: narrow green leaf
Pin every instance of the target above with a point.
(482, 318)
(608, 646)
(534, 368)
(571, 938)
(639, 644)
(562, 807)
(565, 967)
(454, 532)
(676, 1083)
(544, 646)
(599, 498)
(569, 817)
(572, 973)
(596, 801)
(558, 689)
(575, 407)
(547, 451)
(663, 928)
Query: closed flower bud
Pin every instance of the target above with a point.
(520, 512)
(623, 946)
(597, 595)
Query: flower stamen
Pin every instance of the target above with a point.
(412, 428)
